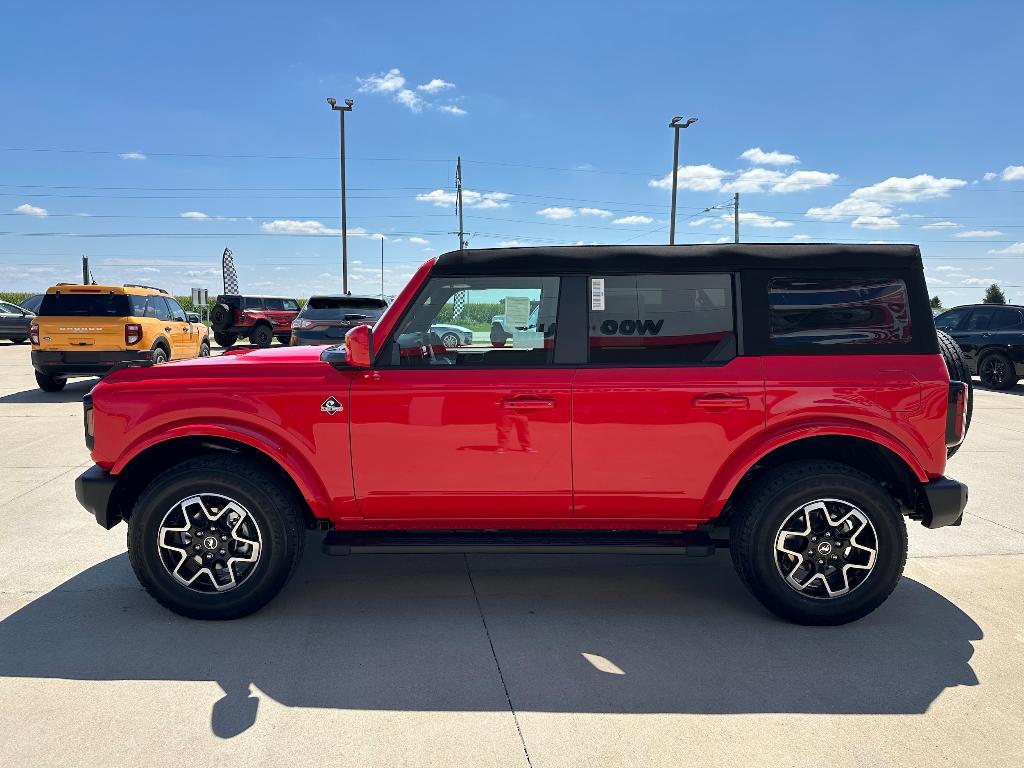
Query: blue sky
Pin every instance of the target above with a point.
(195, 126)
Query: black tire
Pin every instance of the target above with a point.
(204, 349)
(262, 336)
(773, 499)
(959, 370)
(221, 317)
(159, 356)
(225, 340)
(285, 338)
(49, 383)
(22, 340)
(997, 371)
(450, 340)
(265, 496)
(498, 336)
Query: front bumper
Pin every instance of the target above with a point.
(944, 502)
(94, 487)
(84, 363)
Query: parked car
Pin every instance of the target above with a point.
(85, 330)
(326, 319)
(32, 303)
(992, 338)
(260, 319)
(788, 401)
(14, 322)
(502, 332)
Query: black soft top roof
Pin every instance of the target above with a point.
(610, 259)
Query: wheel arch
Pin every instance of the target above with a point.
(164, 343)
(875, 453)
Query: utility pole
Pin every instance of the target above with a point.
(675, 172)
(85, 271)
(458, 202)
(382, 267)
(344, 222)
(736, 216)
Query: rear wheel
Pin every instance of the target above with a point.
(819, 542)
(498, 335)
(959, 370)
(215, 537)
(159, 356)
(262, 336)
(49, 383)
(225, 340)
(997, 371)
(284, 338)
(22, 340)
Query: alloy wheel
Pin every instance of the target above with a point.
(994, 371)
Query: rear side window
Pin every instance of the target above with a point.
(979, 319)
(661, 319)
(1007, 318)
(138, 304)
(85, 305)
(251, 302)
(830, 311)
(345, 302)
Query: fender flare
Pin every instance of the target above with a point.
(280, 451)
(746, 457)
(162, 341)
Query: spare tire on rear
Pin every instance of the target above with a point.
(959, 370)
(221, 317)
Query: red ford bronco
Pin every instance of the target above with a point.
(790, 402)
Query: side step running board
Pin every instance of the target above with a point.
(693, 544)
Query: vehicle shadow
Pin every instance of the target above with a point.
(72, 393)
(406, 633)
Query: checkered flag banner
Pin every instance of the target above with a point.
(227, 267)
(460, 304)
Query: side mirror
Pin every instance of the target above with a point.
(192, 317)
(359, 346)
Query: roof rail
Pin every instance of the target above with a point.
(147, 287)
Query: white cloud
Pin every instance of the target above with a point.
(979, 233)
(800, 238)
(762, 179)
(513, 244)
(798, 181)
(294, 227)
(419, 240)
(409, 99)
(754, 180)
(947, 268)
(1013, 173)
(132, 156)
(849, 208)
(758, 220)
(470, 198)
(702, 221)
(898, 189)
(759, 157)
(435, 85)
(941, 225)
(556, 213)
(990, 175)
(384, 82)
(875, 222)
(197, 215)
(599, 212)
(451, 109)
(699, 178)
(986, 281)
(633, 220)
(1015, 248)
(32, 210)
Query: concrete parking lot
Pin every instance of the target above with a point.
(502, 660)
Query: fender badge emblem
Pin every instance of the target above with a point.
(332, 406)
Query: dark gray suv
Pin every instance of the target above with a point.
(326, 319)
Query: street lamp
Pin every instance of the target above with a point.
(344, 222)
(675, 172)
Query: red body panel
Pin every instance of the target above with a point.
(557, 447)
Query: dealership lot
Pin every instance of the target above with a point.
(503, 659)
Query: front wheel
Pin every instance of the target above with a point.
(215, 537)
(819, 543)
(450, 340)
(21, 340)
(204, 349)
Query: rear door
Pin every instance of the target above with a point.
(972, 333)
(664, 398)
(281, 312)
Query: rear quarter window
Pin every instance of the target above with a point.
(838, 311)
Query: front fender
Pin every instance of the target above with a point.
(282, 453)
(754, 451)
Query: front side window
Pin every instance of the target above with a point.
(950, 321)
(503, 322)
(177, 313)
(661, 319)
(826, 311)
(979, 319)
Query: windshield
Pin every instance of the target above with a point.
(85, 305)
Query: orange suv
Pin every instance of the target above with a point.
(85, 330)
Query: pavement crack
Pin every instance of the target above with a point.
(497, 664)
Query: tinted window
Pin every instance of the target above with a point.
(345, 302)
(838, 311)
(949, 321)
(661, 319)
(9, 308)
(138, 304)
(281, 305)
(252, 302)
(156, 308)
(177, 313)
(451, 324)
(85, 304)
(979, 319)
(1006, 318)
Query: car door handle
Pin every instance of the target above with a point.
(528, 403)
(722, 400)
(167, 328)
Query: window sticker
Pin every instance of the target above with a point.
(517, 311)
(597, 294)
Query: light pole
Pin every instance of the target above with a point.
(675, 172)
(344, 222)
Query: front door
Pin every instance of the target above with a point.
(663, 400)
(183, 339)
(470, 432)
